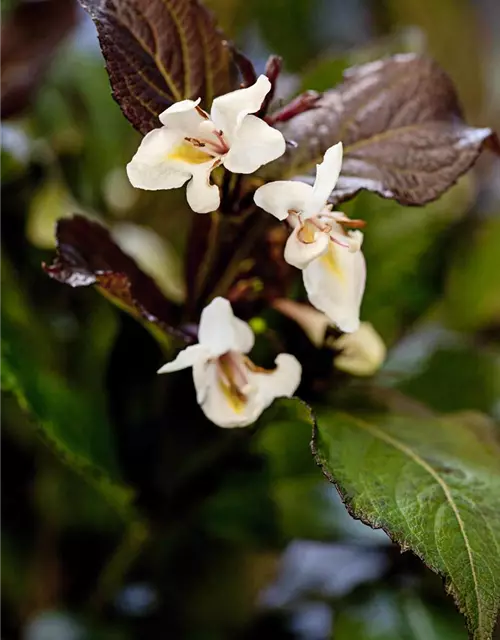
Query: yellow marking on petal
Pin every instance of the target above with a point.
(330, 261)
(235, 400)
(186, 152)
(307, 232)
(233, 395)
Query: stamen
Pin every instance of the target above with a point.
(224, 145)
(254, 368)
(211, 147)
(354, 224)
(233, 379)
(201, 113)
(195, 142)
(341, 244)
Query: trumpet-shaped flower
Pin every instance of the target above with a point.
(231, 390)
(333, 266)
(191, 143)
(360, 353)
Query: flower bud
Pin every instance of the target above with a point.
(362, 353)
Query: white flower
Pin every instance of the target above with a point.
(192, 143)
(331, 259)
(362, 353)
(231, 390)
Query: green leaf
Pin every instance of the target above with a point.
(158, 52)
(70, 420)
(434, 486)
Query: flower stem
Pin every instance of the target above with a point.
(210, 254)
(238, 256)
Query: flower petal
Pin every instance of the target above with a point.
(227, 411)
(335, 284)
(202, 196)
(220, 331)
(313, 322)
(183, 116)
(151, 169)
(228, 110)
(299, 254)
(204, 376)
(281, 196)
(215, 401)
(186, 358)
(282, 382)
(254, 144)
(362, 352)
(244, 336)
(327, 174)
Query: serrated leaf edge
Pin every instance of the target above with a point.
(321, 462)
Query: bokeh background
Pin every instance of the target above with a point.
(257, 544)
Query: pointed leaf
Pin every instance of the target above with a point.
(87, 255)
(400, 122)
(434, 486)
(70, 419)
(158, 52)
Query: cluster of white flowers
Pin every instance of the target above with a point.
(231, 390)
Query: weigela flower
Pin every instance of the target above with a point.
(330, 256)
(192, 143)
(361, 353)
(231, 390)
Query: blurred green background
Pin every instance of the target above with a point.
(122, 520)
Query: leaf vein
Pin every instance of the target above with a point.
(448, 495)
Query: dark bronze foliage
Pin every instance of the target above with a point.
(158, 52)
(401, 125)
(87, 255)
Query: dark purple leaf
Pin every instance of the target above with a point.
(87, 255)
(158, 52)
(401, 125)
(244, 65)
